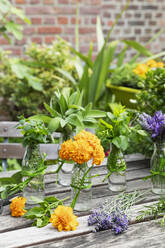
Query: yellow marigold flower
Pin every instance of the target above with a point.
(141, 70)
(17, 206)
(151, 63)
(160, 65)
(64, 219)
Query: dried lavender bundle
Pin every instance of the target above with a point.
(114, 213)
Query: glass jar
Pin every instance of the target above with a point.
(81, 191)
(157, 164)
(116, 167)
(31, 163)
(64, 176)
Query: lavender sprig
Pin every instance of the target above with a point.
(113, 214)
(155, 125)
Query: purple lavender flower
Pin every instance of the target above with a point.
(155, 125)
(119, 223)
(116, 221)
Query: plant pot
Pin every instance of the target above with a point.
(124, 95)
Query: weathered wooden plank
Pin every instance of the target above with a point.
(146, 234)
(32, 235)
(8, 129)
(15, 150)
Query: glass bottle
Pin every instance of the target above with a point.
(64, 176)
(116, 166)
(81, 191)
(31, 163)
(157, 165)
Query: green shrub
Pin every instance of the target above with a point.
(152, 96)
(25, 84)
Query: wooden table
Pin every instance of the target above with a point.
(17, 232)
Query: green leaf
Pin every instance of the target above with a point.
(137, 46)
(67, 75)
(54, 124)
(35, 83)
(17, 177)
(41, 222)
(121, 56)
(100, 71)
(74, 120)
(142, 132)
(63, 123)
(51, 199)
(96, 113)
(34, 212)
(40, 117)
(15, 29)
(83, 57)
(53, 112)
(100, 35)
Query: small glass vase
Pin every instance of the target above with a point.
(81, 191)
(116, 167)
(64, 176)
(157, 165)
(31, 162)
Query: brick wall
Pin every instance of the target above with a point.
(57, 17)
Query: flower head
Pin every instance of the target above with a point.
(17, 206)
(64, 219)
(84, 147)
(153, 125)
(141, 70)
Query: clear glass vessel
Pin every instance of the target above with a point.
(158, 168)
(81, 191)
(64, 176)
(31, 162)
(116, 166)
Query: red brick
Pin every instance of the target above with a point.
(49, 20)
(87, 30)
(49, 30)
(34, 1)
(37, 40)
(110, 23)
(90, 10)
(48, 1)
(4, 41)
(36, 20)
(39, 10)
(63, 1)
(65, 11)
(29, 30)
(20, 1)
(73, 20)
(62, 20)
(68, 30)
(19, 21)
(49, 39)
(20, 42)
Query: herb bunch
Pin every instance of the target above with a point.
(155, 211)
(34, 131)
(114, 214)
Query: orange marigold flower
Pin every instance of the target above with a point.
(17, 206)
(84, 147)
(82, 151)
(64, 219)
(66, 147)
(151, 63)
(160, 65)
(141, 70)
(98, 155)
